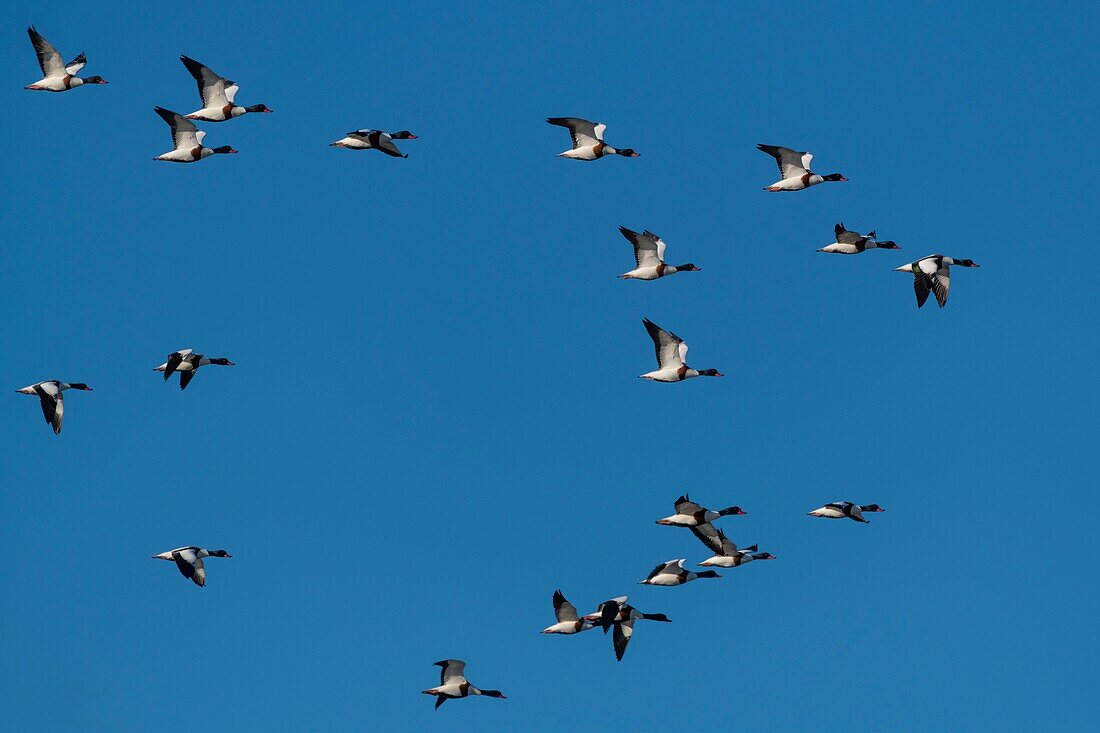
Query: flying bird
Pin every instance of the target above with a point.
(189, 561)
(187, 362)
(933, 274)
(216, 93)
(672, 572)
(453, 683)
(851, 243)
(568, 620)
(649, 257)
(49, 394)
(187, 140)
(690, 514)
(794, 169)
(671, 357)
(618, 614)
(842, 509)
(587, 139)
(374, 140)
(726, 553)
(56, 75)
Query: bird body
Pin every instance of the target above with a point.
(56, 75)
(726, 553)
(187, 362)
(587, 137)
(672, 572)
(453, 683)
(374, 140)
(690, 514)
(568, 622)
(189, 561)
(842, 509)
(216, 93)
(649, 257)
(851, 243)
(187, 139)
(671, 357)
(51, 399)
(932, 274)
(794, 169)
(619, 615)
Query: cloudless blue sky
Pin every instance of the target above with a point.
(434, 420)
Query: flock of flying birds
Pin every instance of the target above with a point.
(931, 276)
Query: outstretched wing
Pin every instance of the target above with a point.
(185, 135)
(53, 404)
(186, 377)
(385, 144)
(564, 610)
(941, 284)
(648, 248)
(76, 65)
(685, 505)
(670, 348)
(623, 631)
(584, 134)
(792, 163)
(714, 538)
(844, 236)
(211, 86)
(48, 58)
(453, 671)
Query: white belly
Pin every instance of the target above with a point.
(208, 114)
(838, 248)
(588, 153)
(57, 84)
(642, 273)
(788, 184)
(665, 580)
(352, 143)
(665, 375)
(719, 561)
(181, 156)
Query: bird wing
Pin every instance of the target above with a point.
(714, 538)
(792, 163)
(453, 671)
(385, 144)
(648, 250)
(941, 284)
(660, 244)
(211, 86)
(685, 505)
(584, 134)
(185, 136)
(190, 564)
(563, 609)
(174, 360)
(53, 404)
(670, 348)
(623, 631)
(231, 90)
(48, 57)
(76, 64)
(843, 236)
(186, 377)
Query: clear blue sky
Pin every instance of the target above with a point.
(435, 421)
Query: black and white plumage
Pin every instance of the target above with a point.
(842, 509)
(850, 243)
(568, 621)
(186, 140)
(618, 614)
(453, 683)
(57, 76)
(649, 257)
(187, 362)
(726, 553)
(671, 354)
(189, 561)
(374, 140)
(672, 572)
(690, 514)
(932, 274)
(216, 93)
(587, 137)
(50, 397)
(794, 169)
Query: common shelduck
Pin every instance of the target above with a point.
(933, 274)
(187, 140)
(841, 509)
(49, 394)
(671, 357)
(587, 139)
(690, 514)
(726, 553)
(618, 614)
(453, 683)
(189, 561)
(794, 169)
(568, 620)
(57, 76)
(187, 362)
(374, 140)
(649, 257)
(851, 243)
(672, 572)
(216, 93)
